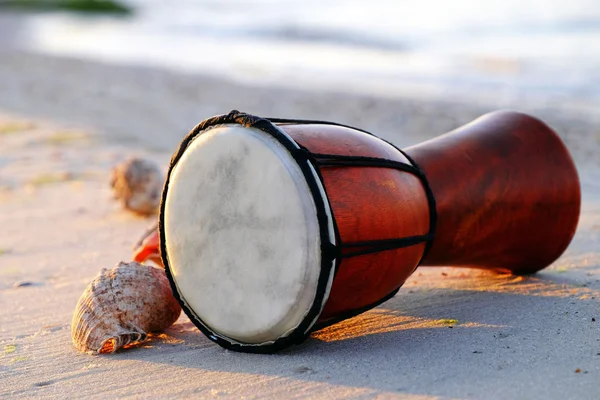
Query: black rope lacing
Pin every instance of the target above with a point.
(371, 246)
(333, 160)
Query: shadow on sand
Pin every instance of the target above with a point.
(445, 324)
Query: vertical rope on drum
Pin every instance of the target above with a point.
(375, 246)
(383, 163)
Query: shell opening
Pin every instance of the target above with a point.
(129, 339)
(109, 346)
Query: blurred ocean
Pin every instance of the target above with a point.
(504, 48)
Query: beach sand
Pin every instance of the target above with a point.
(449, 333)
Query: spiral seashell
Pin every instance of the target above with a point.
(137, 183)
(121, 306)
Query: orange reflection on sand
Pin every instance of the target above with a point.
(164, 338)
(383, 320)
(517, 285)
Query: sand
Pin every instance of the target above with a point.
(449, 333)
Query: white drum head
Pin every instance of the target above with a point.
(242, 235)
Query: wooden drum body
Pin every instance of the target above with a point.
(369, 203)
(271, 229)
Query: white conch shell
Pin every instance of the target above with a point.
(137, 183)
(121, 306)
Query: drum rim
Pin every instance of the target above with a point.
(328, 231)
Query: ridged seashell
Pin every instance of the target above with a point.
(147, 247)
(137, 183)
(121, 306)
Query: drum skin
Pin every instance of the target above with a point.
(368, 203)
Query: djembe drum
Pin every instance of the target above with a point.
(271, 229)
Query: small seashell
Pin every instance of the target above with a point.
(121, 306)
(137, 183)
(147, 247)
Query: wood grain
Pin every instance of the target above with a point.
(369, 204)
(507, 192)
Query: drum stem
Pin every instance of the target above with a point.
(507, 194)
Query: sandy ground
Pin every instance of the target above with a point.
(449, 333)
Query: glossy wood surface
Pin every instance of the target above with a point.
(507, 193)
(369, 204)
